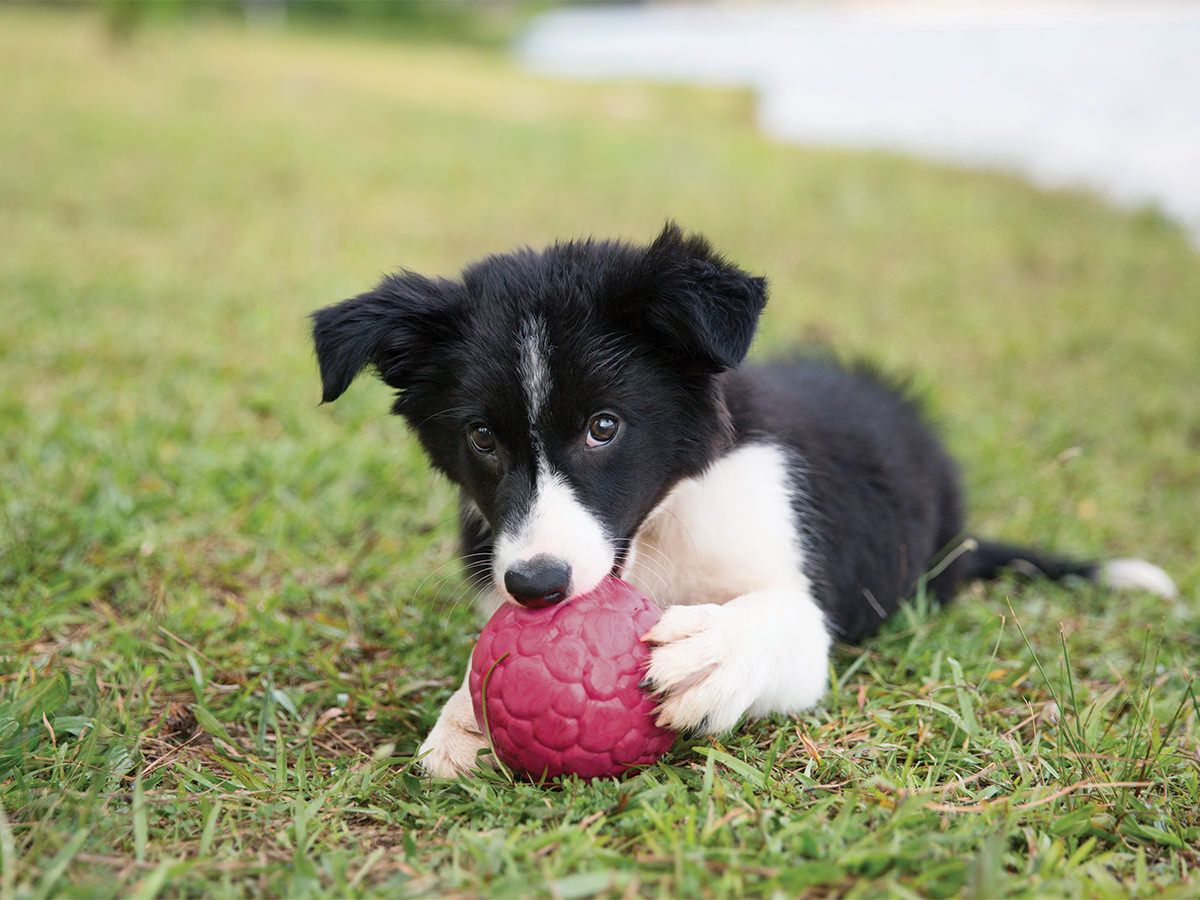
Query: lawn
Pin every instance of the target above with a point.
(229, 615)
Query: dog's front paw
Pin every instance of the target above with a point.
(451, 750)
(706, 678)
(453, 745)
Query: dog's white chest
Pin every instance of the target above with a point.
(725, 533)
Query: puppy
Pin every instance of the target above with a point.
(590, 403)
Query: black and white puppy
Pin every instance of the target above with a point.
(588, 401)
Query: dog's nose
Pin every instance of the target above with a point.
(541, 581)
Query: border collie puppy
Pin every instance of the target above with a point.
(589, 402)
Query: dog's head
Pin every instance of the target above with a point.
(565, 391)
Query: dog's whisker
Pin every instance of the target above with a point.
(474, 571)
(467, 590)
(449, 600)
(687, 531)
(659, 570)
(445, 592)
(438, 569)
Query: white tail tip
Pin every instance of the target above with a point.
(1137, 575)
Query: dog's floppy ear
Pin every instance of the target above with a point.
(395, 328)
(692, 299)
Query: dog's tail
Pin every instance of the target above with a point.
(979, 560)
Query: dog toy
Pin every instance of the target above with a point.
(556, 690)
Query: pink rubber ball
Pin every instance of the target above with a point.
(562, 693)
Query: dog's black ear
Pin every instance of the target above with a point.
(395, 328)
(694, 300)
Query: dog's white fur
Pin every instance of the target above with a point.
(741, 632)
(455, 741)
(533, 349)
(557, 525)
(1137, 575)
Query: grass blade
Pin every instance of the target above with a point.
(148, 888)
(140, 825)
(8, 859)
(59, 864)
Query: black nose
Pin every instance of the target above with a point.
(541, 581)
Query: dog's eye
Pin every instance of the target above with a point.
(602, 429)
(482, 439)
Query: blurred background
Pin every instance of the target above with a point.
(1094, 92)
(1000, 199)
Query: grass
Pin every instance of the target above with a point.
(229, 616)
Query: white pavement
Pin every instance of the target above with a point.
(1103, 95)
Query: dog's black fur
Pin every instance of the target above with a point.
(657, 333)
(883, 503)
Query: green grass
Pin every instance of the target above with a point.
(229, 615)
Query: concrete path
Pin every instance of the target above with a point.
(1104, 95)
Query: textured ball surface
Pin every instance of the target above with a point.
(562, 685)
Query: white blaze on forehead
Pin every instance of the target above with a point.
(557, 525)
(533, 355)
